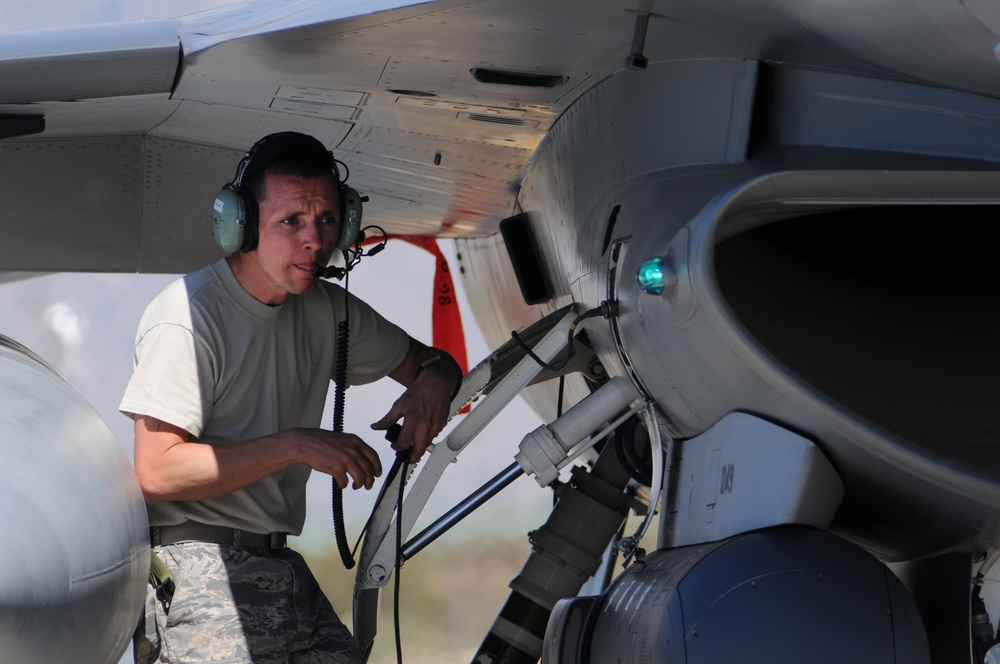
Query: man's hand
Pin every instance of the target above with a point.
(424, 409)
(339, 455)
(430, 377)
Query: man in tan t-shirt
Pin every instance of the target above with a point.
(232, 368)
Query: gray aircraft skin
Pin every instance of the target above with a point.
(817, 179)
(77, 553)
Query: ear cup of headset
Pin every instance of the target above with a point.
(350, 217)
(228, 220)
(234, 220)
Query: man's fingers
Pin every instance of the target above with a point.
(390, 418)
(352, 459)
(361, 474)
(367, 464)
(423, 417)
(416, 435)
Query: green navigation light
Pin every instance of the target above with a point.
(650, 276)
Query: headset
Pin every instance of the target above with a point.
(235, 214)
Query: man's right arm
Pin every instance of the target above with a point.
(171, 466)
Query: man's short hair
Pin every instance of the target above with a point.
(307, 165)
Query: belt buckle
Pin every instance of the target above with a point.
(275, 542)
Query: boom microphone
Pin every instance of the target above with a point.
(329, 271)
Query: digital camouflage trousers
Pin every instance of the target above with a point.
(240, 605)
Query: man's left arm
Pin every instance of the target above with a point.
(432, 377)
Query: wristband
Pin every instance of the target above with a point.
(437, 357)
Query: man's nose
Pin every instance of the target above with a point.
(312, 235)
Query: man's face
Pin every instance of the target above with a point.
(299, 221)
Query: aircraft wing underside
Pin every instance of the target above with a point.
(436, 108)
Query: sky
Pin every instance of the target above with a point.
(84, 326)
(17, 15)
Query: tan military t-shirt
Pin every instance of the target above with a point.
(212, 359)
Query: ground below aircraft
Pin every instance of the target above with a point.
(770, 222)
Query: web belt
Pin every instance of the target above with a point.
(192, 531)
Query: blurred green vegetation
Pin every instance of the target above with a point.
(449, 597)
(450, 592)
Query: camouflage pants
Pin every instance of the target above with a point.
(239, 605)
